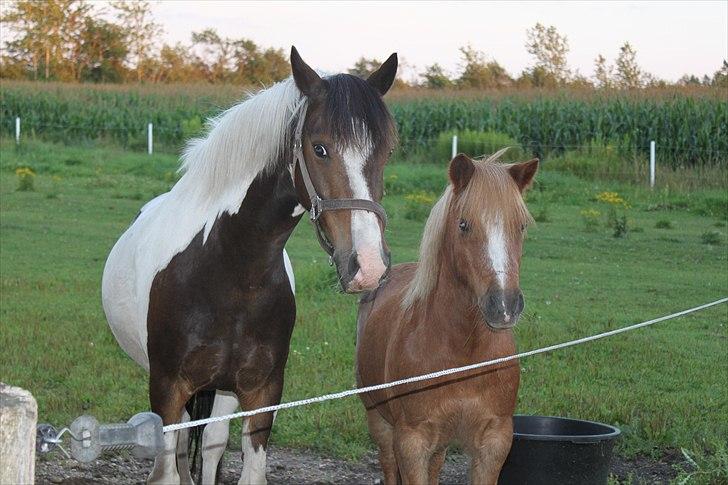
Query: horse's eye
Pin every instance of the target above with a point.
(463, 225)
(523, 227)
(320, 150)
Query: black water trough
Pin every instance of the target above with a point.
(548, 450)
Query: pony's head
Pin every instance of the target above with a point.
(476, 232)
(347, 136)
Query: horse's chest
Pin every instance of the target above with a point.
(224, 336)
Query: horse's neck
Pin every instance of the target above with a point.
(264, 222)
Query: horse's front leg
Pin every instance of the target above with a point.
(488, 448)
(413, 449)
(256, 429)
(215, 436)
(167, 398)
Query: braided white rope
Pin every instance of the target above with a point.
(432, 375)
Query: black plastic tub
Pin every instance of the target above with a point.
(549, 450)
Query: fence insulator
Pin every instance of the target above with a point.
(142, 434)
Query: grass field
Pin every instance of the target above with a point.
(664, 386)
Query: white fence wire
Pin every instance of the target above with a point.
(434, 375)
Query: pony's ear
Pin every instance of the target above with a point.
(523, 173)
(461, 171)
(382, 78)
(306, 78)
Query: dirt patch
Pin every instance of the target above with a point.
(287, 465)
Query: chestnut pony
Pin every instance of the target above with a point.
(455, 307)
(199, 290)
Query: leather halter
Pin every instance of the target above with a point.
(319, 205)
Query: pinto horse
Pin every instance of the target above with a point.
(453, 308)
(199, 289)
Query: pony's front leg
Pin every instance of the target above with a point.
(488, 448)
(413, 449)
(256, 431)
(215, 436)
(167, 399)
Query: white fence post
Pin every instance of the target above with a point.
(454, 146)
(150, 139)
(652, 164)
(17, 130)
(18, 419)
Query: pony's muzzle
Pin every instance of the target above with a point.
(500, 308)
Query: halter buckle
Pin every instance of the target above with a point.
(316, 208)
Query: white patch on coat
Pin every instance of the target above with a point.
(289, 271)
(165, 464)
(218, 170)
(496, 251)
(215, 436)
(253, 460)
(298, 210)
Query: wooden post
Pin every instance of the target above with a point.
(18, 418)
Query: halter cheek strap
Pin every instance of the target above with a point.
(319, 205)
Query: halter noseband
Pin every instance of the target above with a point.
(319, 205)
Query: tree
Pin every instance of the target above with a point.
(720, 78)
(364, 67)
(479, 73)
(102, 52)
(628, 72)
(537, 77)
(602, 72)
(256, 66)
(140, 29)
(45, 36)
(217, 53)
(435, 77)
(550, 49)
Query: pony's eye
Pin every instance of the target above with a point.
(320, 150)
(463, 225)
(523, 227)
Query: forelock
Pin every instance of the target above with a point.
(356, 114)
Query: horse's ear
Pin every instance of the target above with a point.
(308, 82)
(461, 171)
(382, 78)
(523, 173)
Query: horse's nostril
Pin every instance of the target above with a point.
(520, 304)
(353, 266)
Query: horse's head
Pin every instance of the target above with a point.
(346, 138)
(484, 228)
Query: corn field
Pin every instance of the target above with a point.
(690, 128)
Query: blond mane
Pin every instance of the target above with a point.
(490, 193)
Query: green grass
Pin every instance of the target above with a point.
(664, 386)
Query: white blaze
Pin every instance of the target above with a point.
(365, 233)
(497, 253)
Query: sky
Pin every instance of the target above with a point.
(671, 37)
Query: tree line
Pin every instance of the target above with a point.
(78, 41)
